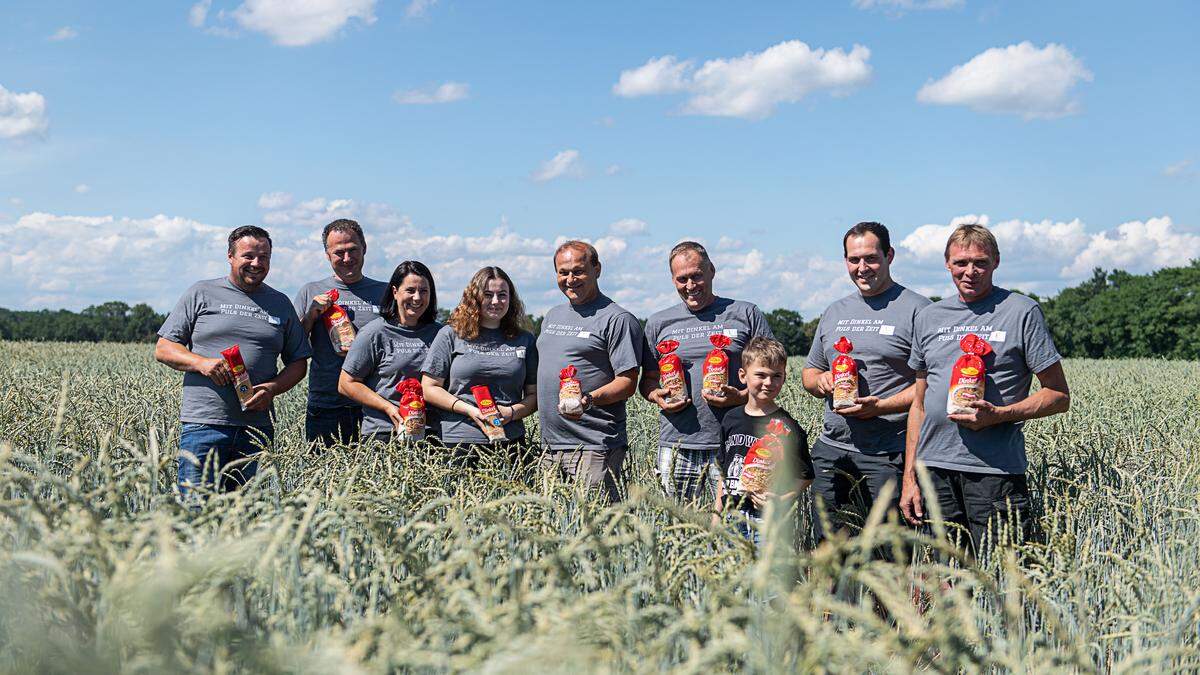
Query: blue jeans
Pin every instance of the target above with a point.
(330, 426)
(212, 448)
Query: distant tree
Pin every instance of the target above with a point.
(791, 329)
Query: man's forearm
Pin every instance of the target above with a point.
(647, 384)
(809, 378)
(1043, 403)
(620, 389)
(916, 415)
(289, 377)
(901, 402)
(177, 356)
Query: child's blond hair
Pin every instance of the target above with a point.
(765, 351)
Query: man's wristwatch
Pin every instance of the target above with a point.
(586, 400)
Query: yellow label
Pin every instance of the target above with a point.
(238, 368)
(714, 359)
(765, 454)
(841, 367)
(969, 370)
(485, 402)
(668, 367)
(416, 405)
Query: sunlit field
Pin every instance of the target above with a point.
(375, 560)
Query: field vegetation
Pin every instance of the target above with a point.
(361, 559)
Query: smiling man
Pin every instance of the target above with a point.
(604, 344)
(212, 316)
(331, 417)
(861, 448)
(689, 431)
(977, 460)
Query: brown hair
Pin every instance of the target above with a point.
(345, 226)
(766, 351)
(252, 231)
(465, 318)
(576, 245)
(877, 229)
(973, 234)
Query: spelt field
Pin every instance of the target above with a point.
(358, 560)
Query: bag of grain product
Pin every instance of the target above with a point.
(570, 392)
(845, 375)
(968, 378)
(241, 378)
(337, 323)
(759, 466)
(487, 406)
(670, 372)
(716, 366)
(412, 409)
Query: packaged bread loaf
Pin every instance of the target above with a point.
(412, 409)
(338, 324)
(968, 378)
(758, 468)
(241, 378)
(845, 375)
(487, 406)
(716, 366)
(670, 372)
(570, 392)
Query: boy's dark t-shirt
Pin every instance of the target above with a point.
(739, 431)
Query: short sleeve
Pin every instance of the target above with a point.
(916, 357)
(626, 342)
(531, 360)
(759, 327)
(437, 359)
(816, 352)
(364, 355)
(181, 321)
(1040, 352)
(649, 340)
(295, 343)
(301, 301)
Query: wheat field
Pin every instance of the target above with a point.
(365, 560)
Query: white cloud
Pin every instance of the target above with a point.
(1019, 79)
(198, 14)
(901, 6)
(293, 23)
(83, 189)
(63, 34)
(274, 200)
(565, 163)
(1046, 255)
(448, 92)
(750, 86)
(629, 227)
(22, 115)
(1180, 169)
(418, 8)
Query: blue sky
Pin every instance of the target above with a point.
(133, 135)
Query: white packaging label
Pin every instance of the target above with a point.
(887, 330)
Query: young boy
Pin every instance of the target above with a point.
(773, 435)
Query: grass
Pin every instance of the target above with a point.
(361, 559)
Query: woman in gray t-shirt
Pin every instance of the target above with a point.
(485, 342)
(391, 349)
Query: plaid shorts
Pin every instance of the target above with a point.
(688, 475)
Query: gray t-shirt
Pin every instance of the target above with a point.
(505, 365)
(698, 426)
(381, 356)
(1014, 326)
(881, 330)
(361, 301)
(600, 339)
(213, 315)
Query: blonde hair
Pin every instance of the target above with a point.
(765, 351)
(465, 318)
(973, 234)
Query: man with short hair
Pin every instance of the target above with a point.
(976, 461)
(330, 417)
(212, 316)
(604, 344)
(689, 436)
(861, 448)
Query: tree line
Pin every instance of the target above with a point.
(1111, 315)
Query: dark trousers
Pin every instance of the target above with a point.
(330, 426)
(988, 508)
(219, 456)
(848, 484)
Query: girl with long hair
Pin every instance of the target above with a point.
(390, 349)
(485, 342)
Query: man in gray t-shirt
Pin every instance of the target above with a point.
(861, 448)
(213, 316)
(689, 435)
(605, 344)
(331, 417)
(976, 461)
